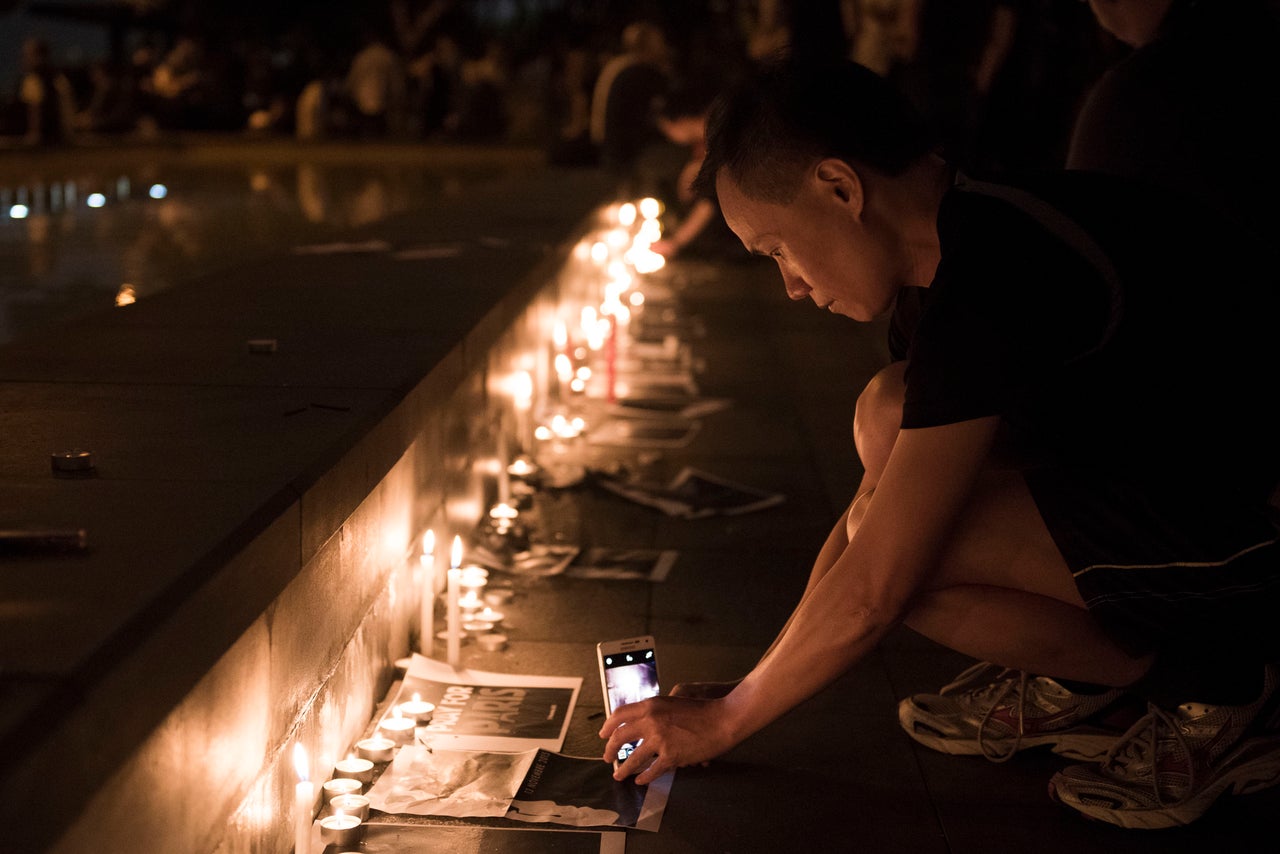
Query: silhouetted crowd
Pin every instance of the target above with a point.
(1002, 79)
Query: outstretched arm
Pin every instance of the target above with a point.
(868, 590)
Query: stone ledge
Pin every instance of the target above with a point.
(223, 474)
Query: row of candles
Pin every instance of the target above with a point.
(623, 247)
(343, 793)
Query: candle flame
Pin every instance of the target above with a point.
(560, 335)
(417, 698)
(455, 554)
(429, 542)
(300, 763)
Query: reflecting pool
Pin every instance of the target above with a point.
(82, 230)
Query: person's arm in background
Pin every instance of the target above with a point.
(1004, 26)
(702, 213)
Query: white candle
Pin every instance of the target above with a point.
(341, 786)
(490, 615)
(454, 641)
(426, 620)
(355, 768)
(304, 802)
(376, 748)
(398, 728)
(418, 709)
(522, 467)
(491, 642)
(356, 805)
(342, 830)
(504, 459)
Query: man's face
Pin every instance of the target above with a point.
(822, 244)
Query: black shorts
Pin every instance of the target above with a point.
(1167, 566)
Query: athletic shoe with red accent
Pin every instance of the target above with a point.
(1174, 763)
(996, 712)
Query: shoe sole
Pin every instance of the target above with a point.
(1256, 767)
(1079, 746)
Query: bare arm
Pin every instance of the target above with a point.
(868, 590)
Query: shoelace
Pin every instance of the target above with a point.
(1134, 747)
(997, 690)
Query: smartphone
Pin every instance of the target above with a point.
(628, 674)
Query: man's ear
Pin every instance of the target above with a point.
(840, 182)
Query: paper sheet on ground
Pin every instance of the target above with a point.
(536, 786)
(499, 712)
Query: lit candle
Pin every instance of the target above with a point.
(376, 748)
(454, 641)
(503, 510)
(341, 830)
(477, 627)
(304, 801)
(522, 467)
(355, 805)
(341, 786)
(418, 709)
(398, 728)
(354, 768)
(490, 615)
(426, 620)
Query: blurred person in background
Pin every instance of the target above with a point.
(46, 94)
(627, 95)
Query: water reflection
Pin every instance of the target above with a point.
(68, 241)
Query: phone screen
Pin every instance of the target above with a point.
(629, 677)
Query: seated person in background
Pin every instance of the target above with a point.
(1121, 572)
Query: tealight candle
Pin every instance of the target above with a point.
(398, 728)
(355, 768)
(473, 578)
(489, 615)
(418, 709)
(376, 748)
(343, 830)
(476, 627)
(502, 511)
(355, 805)
(492, 642)
(341, 786)
(522, 467)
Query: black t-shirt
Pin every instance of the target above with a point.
(1163, 369)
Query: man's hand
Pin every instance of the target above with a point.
(672, 732)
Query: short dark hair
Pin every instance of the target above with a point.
(787, 113)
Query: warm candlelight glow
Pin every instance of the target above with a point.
(627, 214)
(455, 553)
(300, 763)
(564, 368)
(504, 511)
(522, 389)
(560, 336)
(429, 542)
(304, 796)
(650, 208)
